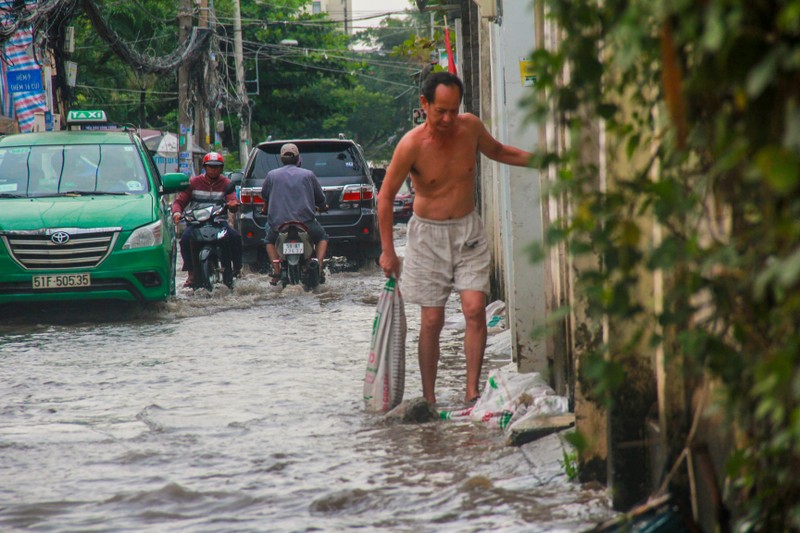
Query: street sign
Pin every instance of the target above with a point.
(23, 81)
(527, 72)
(72, 72)
(90, 116)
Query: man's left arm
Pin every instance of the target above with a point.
(266, 187)
(231, 200)
(319, 194)
(494, 149)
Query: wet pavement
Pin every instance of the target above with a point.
(241, 411)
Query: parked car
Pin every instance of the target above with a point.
(339, 164)
(404, 201)
(84, 215)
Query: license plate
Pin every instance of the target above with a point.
(293, 248)
(61, 281)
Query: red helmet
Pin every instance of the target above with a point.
(213, 159)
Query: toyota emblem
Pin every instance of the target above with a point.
(60, 237)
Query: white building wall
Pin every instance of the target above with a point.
(341, 10)
(518, 189)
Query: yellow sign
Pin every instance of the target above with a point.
(526, 72)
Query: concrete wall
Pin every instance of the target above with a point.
(518, 200)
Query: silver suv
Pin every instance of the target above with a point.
(339, 164)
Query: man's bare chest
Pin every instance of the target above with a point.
(438, 160)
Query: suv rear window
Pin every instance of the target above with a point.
(325, 160)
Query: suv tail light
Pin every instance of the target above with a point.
(357, 193)
(251, 197)
(367, 192)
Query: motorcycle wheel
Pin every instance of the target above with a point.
(311, 278)
(294, 274)
(208, 271)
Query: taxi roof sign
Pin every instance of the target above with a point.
(86, 116)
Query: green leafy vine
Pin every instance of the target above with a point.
(700, 108)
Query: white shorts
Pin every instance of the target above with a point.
(442, 255)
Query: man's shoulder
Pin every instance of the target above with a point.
(272, 173)
(285, 169)
(469, 119)
(307, 172)
(413, 137)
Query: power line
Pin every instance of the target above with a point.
(186, 52)
(116, 90)
(340, 71)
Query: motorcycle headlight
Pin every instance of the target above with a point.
(201, 215)
(149, 235)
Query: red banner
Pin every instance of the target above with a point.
(451, 62)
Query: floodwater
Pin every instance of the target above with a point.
(242, 411)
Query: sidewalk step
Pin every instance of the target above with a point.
(538, 428)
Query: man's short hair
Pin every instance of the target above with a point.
(289, 159)
(440, 78)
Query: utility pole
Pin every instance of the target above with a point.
(184, 119)
(244, 107)
(214, 119)
(200, 112)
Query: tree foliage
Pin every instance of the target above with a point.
(318, 88)
(104, 81)
(701, 100)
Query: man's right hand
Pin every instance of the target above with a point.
(390, 264)
(176, 218)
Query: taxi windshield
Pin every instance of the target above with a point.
(33, 171)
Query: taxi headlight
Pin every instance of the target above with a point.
(149, 235)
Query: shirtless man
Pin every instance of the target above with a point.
(447, 246)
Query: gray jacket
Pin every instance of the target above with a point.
(291, 193)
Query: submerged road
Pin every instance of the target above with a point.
(242, 411)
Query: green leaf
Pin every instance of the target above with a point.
(780, 168)
(763, 74)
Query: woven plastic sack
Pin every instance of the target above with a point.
(384, 381)
(510, 396)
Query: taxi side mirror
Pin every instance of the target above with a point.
(174, 182)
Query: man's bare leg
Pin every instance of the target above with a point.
(322, 249)
(272, 252)
(473, 305)
(430, 328)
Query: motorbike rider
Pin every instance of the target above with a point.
(291, 193)
(209, 186)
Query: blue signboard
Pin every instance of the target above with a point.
(23, 81)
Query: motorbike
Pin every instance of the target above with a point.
(208, 222)
(296, 254)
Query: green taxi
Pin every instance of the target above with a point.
(84, 215)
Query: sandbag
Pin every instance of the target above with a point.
(509, 397)
(384, 381)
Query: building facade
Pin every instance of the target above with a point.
(338, 10)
